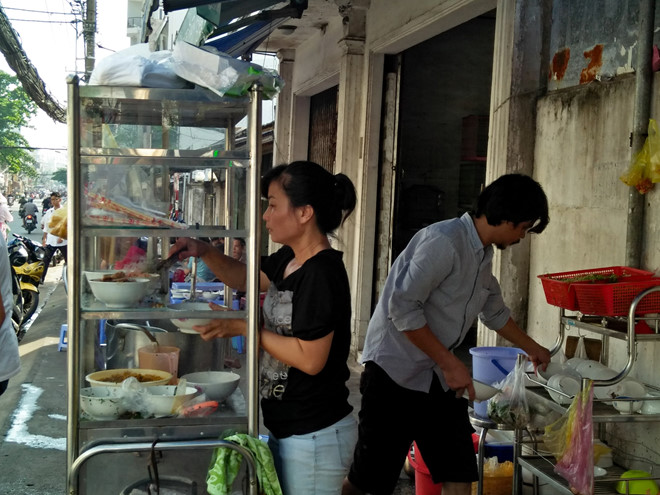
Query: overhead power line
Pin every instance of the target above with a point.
(44, 21)
(32, 83)
(38, 11)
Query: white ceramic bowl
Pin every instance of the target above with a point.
(630, 389)
(651, 406)
(551, 369)
(569, 384)
(574, 362)
(102, 403)
(161, 401)
(595, 370)
(120, 294)
(482, 391)
(114, 378)
(217, 385)
(186, 325)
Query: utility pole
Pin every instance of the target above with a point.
(89, 32)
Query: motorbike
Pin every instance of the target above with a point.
(27, 260)
(30, 222)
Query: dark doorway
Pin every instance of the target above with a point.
(323, 128)
(443, 108)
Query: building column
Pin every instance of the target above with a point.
(284, 113)
(517, 79)
(350, 135)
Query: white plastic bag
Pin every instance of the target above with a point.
(222, 74)
(580, 349)
(137, 66)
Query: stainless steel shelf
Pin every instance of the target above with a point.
(608, 326)
(543, 467)
(191, 231)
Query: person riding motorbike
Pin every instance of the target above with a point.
(46, 205)
(29, 208)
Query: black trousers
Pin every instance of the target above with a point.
(50, 252)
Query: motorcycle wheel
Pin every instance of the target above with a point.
(30, 303)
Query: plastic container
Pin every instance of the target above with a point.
(503, 451)
(423, 482)
(491, 365)
(560, 290)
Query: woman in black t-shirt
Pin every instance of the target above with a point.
(306, 333)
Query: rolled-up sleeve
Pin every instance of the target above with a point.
(495, 313)
(416, 278)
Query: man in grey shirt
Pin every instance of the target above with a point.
(412, 385)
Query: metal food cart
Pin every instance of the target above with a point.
(129, 149)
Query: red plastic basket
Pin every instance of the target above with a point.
(560, 290)
(615, 299)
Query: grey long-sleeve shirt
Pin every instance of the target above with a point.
(443, 278)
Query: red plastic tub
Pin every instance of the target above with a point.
(423, 482)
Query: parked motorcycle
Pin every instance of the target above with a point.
(30, 222)
(27, 259)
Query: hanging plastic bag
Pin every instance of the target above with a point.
(644, 171)
(570, 439)
(58, 223)
(581, 349)
(510, 406)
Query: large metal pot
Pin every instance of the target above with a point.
(123, 339)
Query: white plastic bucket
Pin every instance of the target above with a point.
(491, 365)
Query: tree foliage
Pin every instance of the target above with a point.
(16, 110)
(59, 175)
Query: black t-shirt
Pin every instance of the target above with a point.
(309, 304)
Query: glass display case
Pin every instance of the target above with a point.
(148, 166)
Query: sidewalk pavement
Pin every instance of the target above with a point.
(33, 409)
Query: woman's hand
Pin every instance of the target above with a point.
(187, 247)
(221, 328)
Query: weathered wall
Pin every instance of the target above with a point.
(592, 39)
(582, 148)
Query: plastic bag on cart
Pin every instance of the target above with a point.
(137, 66)
(134, 397)
(510, 406)
(570, 439)
(221, 73)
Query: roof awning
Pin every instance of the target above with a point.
(246, 40)
(235, 27)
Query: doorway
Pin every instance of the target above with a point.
(434, 134)
(443, 102)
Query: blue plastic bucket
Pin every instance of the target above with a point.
(491, 365)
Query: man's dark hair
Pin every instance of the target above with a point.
(55, 194)
(514, 198)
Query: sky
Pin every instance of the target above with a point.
(50, 42)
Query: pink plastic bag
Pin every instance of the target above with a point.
(570, 439)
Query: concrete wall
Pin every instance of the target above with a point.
(582, 148)
(592, 39)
